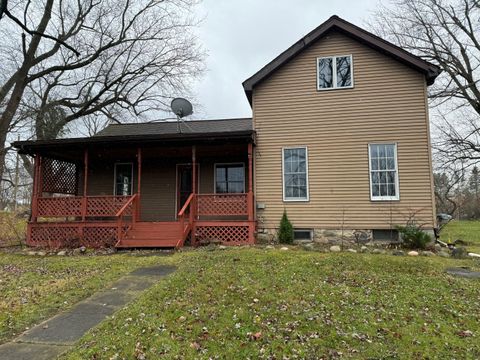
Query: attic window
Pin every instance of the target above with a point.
(334, 72)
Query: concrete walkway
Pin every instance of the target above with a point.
(56, 335)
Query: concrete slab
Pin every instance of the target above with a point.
(161, 270)
(114, 298)
(67, 328)
(465, 273)
(25, 351)
(134, 283)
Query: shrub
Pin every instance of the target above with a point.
(413, 236)
(285, 231)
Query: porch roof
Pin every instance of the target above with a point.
(162, 133)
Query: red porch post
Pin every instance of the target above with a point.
(85, 184)
(35, 188)
(250, 199)
(193, 204)
(139, 182)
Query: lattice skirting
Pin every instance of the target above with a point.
(226, 234)
(71, 236)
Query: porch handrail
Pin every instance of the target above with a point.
(119, 215)
(186, 205)
(181, 216)
(124, 207)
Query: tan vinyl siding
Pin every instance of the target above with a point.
(387, 104)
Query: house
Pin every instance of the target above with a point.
(339, 138)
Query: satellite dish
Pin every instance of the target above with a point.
(181, 107)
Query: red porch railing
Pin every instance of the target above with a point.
(108, 205)
(222, 204)
(105, 220)
(90, 206)
(60, 206)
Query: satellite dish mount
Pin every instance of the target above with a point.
(181, 107)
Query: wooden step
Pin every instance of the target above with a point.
(128, 243)
(152, 234)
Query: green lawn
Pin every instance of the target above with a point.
(467, 230)
(34, 288)
(256, 303)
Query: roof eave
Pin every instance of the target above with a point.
(32, 146)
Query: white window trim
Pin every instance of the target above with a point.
(334, 73)
(115, 178)
(397, 187)
(285, 199)
(215, 176)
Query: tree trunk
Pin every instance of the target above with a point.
(21, 82)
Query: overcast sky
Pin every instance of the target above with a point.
(241, 36)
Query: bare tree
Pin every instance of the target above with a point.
(446, 33)
(115, 60)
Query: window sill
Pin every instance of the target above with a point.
(296, 200)
(335, 88)
(384, 198)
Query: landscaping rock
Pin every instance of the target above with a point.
(438, 247)
(82, 249)
(474, 255)
(362, 237)
(308, 246)
(363, 249)
(269, 247)
(284, 248)
(62, 253)
(31, 253)
(222, 247)
(335, 248)
(398, 253)
(444, 254)
(413, 253)
(264, 238)
(378, 251)
(459, 253)
(427, 253)
(41, 253)
(352, 251)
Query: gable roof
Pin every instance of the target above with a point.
(336, 23)
(172, 127)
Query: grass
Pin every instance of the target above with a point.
(467, 230)
(12, 229)
(34, 288)
(256, 303)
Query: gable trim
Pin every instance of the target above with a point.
(336, 23)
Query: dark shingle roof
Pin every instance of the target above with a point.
(171, 127)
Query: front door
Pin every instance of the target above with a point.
(184, 184)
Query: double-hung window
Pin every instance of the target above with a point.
(229, 178)
(334, 72)
(295, 174)
(123, 179)
(383, 172)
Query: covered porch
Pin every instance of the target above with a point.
(142, 193)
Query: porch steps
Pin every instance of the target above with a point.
(152, 234)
